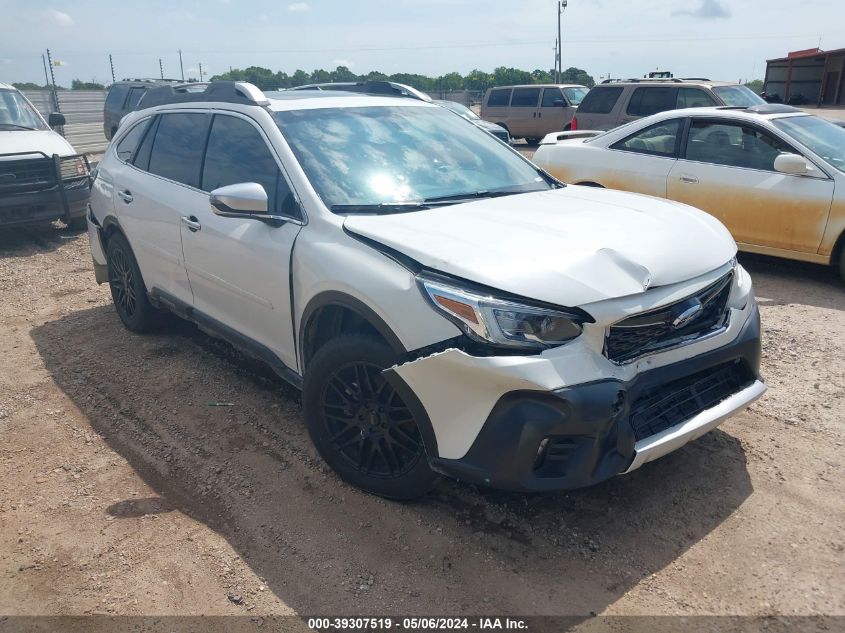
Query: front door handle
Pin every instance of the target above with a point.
(192, 223)
(126, 196)
(689, 179)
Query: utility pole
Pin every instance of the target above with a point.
(200, 65)
(46, 77)
(160, 68)
(53, 80)
(181, 68)
(111, 64)
(561, 6)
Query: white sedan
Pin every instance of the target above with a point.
(773, 174)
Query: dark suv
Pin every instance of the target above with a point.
(123, 97)
(618, 101)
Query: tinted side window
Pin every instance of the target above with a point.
(658, 140)
(134, 97)
(694, 98)
(142, 155)
(733, 145)
(525, 97)
(648, 101)
(129, 143)
(550, 95)
(178, 145)
(499, 98)
(238, 153)
(600, 100)
(114, 100)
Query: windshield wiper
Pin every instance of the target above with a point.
(20, 127)
(381, 208)
(473, 195)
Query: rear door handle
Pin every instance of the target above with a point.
(689, 179)
(191, 222)
(126, 196)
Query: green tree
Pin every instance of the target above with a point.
(28, 85)
(375, 75)
(477, 80)
(299, 78)
(342, 73)
(78, 84)
(452, 81)
(543, 76)
(755, 85)
(574, 75)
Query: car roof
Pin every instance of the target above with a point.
(689, 81)
(767, 112)
(540, 86)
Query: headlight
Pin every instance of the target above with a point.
(72, 167)
(501, 322)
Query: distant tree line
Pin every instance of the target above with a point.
(76, 84)
(266, 79)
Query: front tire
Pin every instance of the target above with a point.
(842, 262)
(359, 424)
(127, 287)
(79, 223)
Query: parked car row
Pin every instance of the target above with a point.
(773, 174)
(445, 306)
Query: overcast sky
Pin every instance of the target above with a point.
(724, 39)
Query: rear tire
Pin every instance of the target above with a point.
(534, 140)
(127, 287)
(359, 424)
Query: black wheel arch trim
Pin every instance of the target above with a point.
(344, 300)
(418, 410)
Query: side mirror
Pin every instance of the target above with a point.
(793, 164)
(242, 200)
(56, 119)
(560, 103)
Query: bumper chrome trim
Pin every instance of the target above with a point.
(673, 438)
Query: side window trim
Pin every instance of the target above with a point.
(140, 141)
(152, 128)
(273, 153)
(740, 124)
(683, 127)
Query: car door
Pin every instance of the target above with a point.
(239, 268)
(152, 191)
(554, 112)
(522, 116)
(641, 162)
(727, 169)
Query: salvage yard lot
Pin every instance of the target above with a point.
(125, 492)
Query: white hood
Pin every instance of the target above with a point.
(570, 247)
(47, 141)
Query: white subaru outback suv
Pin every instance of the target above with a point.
(445, 306)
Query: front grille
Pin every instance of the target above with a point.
(31, 174)
(670, 404)
(663, 328)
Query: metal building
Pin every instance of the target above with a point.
(811, 76)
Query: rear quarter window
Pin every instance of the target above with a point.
(499, 98)
(600, 100)
(114, 100)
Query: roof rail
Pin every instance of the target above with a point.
(222, 91)
(669, 80)
(695, 79)
(152, 80)
(371, 87)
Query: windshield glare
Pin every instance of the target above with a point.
(15, 111)
(386, 154)
(575, 95)
(738, 96)
(822, 137)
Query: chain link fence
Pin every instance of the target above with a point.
(83, 110)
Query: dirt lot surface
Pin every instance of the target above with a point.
(125, 492)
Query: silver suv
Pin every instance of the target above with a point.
(618, 101)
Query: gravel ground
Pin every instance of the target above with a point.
(126, 493)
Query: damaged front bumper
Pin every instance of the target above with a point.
(506, 422)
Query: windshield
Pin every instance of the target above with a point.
(738, 96)
(17, 114)
(575, 95)
(386, 155)
(459, 108)
(822, 137)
